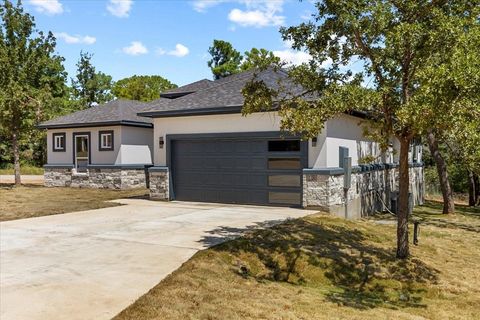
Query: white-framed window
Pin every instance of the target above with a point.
(105, 142)
(59, 142)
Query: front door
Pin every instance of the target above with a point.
(81, 153)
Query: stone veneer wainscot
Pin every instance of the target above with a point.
(100, 177)
(159, 183)
(371, 187)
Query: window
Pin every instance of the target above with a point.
(283, 145)
(59, 142)
(283, 163)
(105, 142)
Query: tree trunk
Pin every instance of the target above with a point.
(476, 180)
(16, 158)
(471, 189)
(448, 204)
(477, 189)
(403, 203)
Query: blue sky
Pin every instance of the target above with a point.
(167, 38)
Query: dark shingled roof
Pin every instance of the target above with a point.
(186, 89)
(200, 97)
(116, 112)
(223, 95)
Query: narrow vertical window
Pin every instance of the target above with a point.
(105, 142)
(58, 142)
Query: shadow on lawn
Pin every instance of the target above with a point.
(313, 254)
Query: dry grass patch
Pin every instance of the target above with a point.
(34, 201)
(26, 169)
(322, 267)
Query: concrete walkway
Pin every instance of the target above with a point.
(93, 264)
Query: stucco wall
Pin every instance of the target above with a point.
(343, 130)
(269, 121)
(137, 146)
(98, 157)
(347, 131)
(131, 146)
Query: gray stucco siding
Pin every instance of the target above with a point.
(131, 145)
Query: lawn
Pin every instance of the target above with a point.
(24, 169)
(322, 267)
(34, 201)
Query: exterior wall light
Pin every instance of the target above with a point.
(314, 141)
(161, 142)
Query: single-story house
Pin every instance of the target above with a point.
(193, 144)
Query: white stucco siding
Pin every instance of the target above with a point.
(60, 157)
(343, 130)
(98, 157)
(317, 155)
(225, 123)
(136, 147)
(104, 157)
(228, 123)
(347, 131)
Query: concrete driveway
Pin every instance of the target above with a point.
(93, 264)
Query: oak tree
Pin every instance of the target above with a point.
(393, 40)
(141, 88)
(31, 76)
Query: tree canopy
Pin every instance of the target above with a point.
(258, 58)
(31, 77)
(226, 60)
(141, 88)
(89, 86)
(400, 44)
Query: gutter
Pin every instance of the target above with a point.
(191, 112)
(216, 110)
(96, 124)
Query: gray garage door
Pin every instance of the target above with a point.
(253, 170)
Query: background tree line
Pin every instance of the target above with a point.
(34, 87)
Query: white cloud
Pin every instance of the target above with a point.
(75, 39)
(203, 5)
(136, 48)
(255, 18)
(292, 57)
(258, 14)
(180, 51)
(120, 8)
(50, 7)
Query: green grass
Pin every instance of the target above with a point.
(321, 267)
(24, 169)
(34, 201)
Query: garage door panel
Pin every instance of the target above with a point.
(235, 171)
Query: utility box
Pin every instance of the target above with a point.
(347, 177)
(394, 203)
(342, 154)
